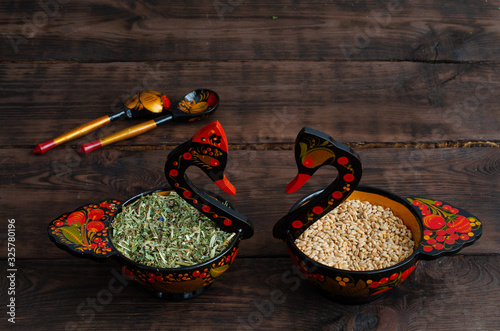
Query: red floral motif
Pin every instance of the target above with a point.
(76, 217)
(434, 221)
(343, 160)
(308, 162)
(318, 277)
(96, 214)
(442, 225)
(81, 231)
(95, 226)
(368, 287)
(349, 177)
(234, 255)
(127, 272)
(407, 272)
(166, 102)
(317, 210)
(337, 195)
(461, 224)
(464, 237)
(106, 205)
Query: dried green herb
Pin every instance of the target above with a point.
(164, 231)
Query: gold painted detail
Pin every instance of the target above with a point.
(193, 107)
(150, 100)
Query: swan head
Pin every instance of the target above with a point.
(313, 149)
(207, 150)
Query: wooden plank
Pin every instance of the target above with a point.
(35, 190)
(266, 294)
(237, 30)
(261, 102)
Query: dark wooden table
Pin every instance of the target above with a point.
(412, 86)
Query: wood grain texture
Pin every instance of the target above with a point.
(240, 30)
(38, 190)
(263, 294)
(408, 84)
(261, 102)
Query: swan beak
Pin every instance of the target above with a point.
(225, 185)
(297, 183)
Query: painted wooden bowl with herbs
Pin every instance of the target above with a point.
(355, 243)
(175, 241)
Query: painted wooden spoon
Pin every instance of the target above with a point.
(195, 105)
(148, 103)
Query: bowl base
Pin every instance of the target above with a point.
(181, 296)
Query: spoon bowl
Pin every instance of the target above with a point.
(196, 105)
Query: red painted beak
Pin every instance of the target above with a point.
(297, 183)
(226, 186)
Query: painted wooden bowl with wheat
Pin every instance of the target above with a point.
(175, 241)
(355, 243)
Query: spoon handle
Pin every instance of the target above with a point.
(78, 132)
(123, 134)
(73, 134)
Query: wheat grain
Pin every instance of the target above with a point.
(357, 236)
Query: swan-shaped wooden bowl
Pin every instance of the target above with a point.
(88, 231)
(438, 228)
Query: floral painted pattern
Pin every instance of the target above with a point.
(170, 281)
(85, 230)
(192, 106)
(446, 228)
(345, 285)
